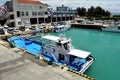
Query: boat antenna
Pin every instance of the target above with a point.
(62, 36)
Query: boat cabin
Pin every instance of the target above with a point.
(59, 28)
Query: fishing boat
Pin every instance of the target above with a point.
(111, 27)
(60, 50)
(61, 26)
(56, 49)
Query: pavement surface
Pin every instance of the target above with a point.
(18, 65)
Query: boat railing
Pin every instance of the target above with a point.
(86, 65)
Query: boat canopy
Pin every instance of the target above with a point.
(53, 38)
(79, 53)
(56, 39)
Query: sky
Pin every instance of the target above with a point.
(112, 5)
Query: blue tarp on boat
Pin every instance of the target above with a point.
(14, 38)
(31, 46)
(18, 41)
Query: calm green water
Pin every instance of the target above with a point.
(104, 46)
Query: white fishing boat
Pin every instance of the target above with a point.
(61, 26)
(61, 51)
(111, 27)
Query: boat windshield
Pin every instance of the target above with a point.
(48, 42)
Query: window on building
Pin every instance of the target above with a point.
(34, 13)
(22, 13)
(40, 13)
(18, 13)
(36, 7)
(63, 9)
(40, 7)
(46, 12)
(19, 23)
(17, 7)
(12, 16)
(27, 13)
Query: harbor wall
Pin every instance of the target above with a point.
(88, 26)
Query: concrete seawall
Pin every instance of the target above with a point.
(89, 26)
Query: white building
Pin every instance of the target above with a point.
(32, 12)
(62, 13)
(26, 12)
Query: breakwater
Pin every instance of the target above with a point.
(89, 26)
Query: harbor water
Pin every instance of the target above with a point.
(104, 46)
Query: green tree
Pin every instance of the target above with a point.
(90, 12)
(81, 11)
(107, 13)
(97, 12)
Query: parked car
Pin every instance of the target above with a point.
(32, 28)
(6, 27)
(16, 30)
(41, 26)
(2, 31)
(10, 30)
(22, 28)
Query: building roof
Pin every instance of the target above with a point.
(79, 53)
(30, 1)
